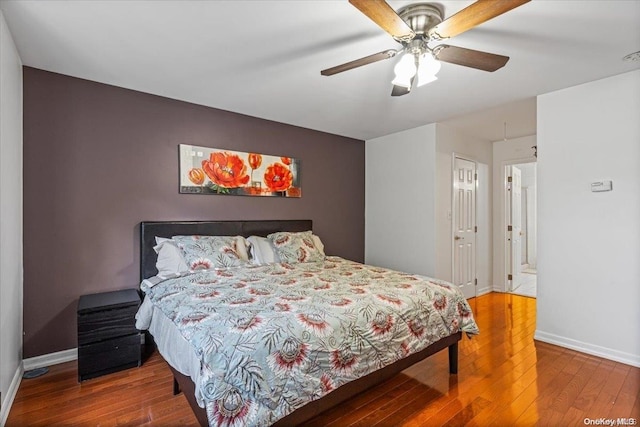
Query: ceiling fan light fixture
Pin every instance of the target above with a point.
(425, 78)
(430, 64)
(427, 69)
(405, 70)
(402, 81)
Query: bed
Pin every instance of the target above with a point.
(221, 330)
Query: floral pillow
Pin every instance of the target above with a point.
(295, 247)
(204, 252)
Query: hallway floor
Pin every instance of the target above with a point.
(528, 285)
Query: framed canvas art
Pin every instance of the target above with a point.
(205, 170)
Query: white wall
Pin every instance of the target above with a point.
(450, 141)
(408, 200)
(10, 219)
(528, 174)
(512, 151)
(589, 243)
(400, 201)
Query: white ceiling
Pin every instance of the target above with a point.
(263, 58)
(507, 121)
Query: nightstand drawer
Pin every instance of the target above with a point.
(106, 324)
(109, 356)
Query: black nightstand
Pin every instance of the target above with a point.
(108, 340)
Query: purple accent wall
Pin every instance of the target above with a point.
(99, 159)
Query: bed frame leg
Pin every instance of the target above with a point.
(453, 358)
(176, 387)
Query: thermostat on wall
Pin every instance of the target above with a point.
(601, 186)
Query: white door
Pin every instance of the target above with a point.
(464, 226)
(514, 229)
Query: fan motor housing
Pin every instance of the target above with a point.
(421, 17)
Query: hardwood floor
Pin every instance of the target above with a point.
(505, 378)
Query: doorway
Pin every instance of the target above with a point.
(521, 215)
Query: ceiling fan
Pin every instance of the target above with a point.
(419, 25)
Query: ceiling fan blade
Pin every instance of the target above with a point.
(470, 58)
(401, 90)
(471, 16)
(382, 14)
(385, 54)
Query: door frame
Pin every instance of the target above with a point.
(504, 214)
(514, 265)
(455, 156)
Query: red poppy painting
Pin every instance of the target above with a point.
(226, 170)
(278, 177)
(206, 170)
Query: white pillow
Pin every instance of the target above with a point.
(262, 251)
(318, 243)
(243, 248)
(170, 260)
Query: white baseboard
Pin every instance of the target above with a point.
(583, 347)
(11, 394)
(483, 290)
(27, 365)
(50, 359)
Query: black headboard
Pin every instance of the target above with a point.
(149, 230)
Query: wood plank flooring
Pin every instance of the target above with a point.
(505, 378)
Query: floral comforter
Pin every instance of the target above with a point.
(272, 338)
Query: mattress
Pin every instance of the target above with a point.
(175, 350)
